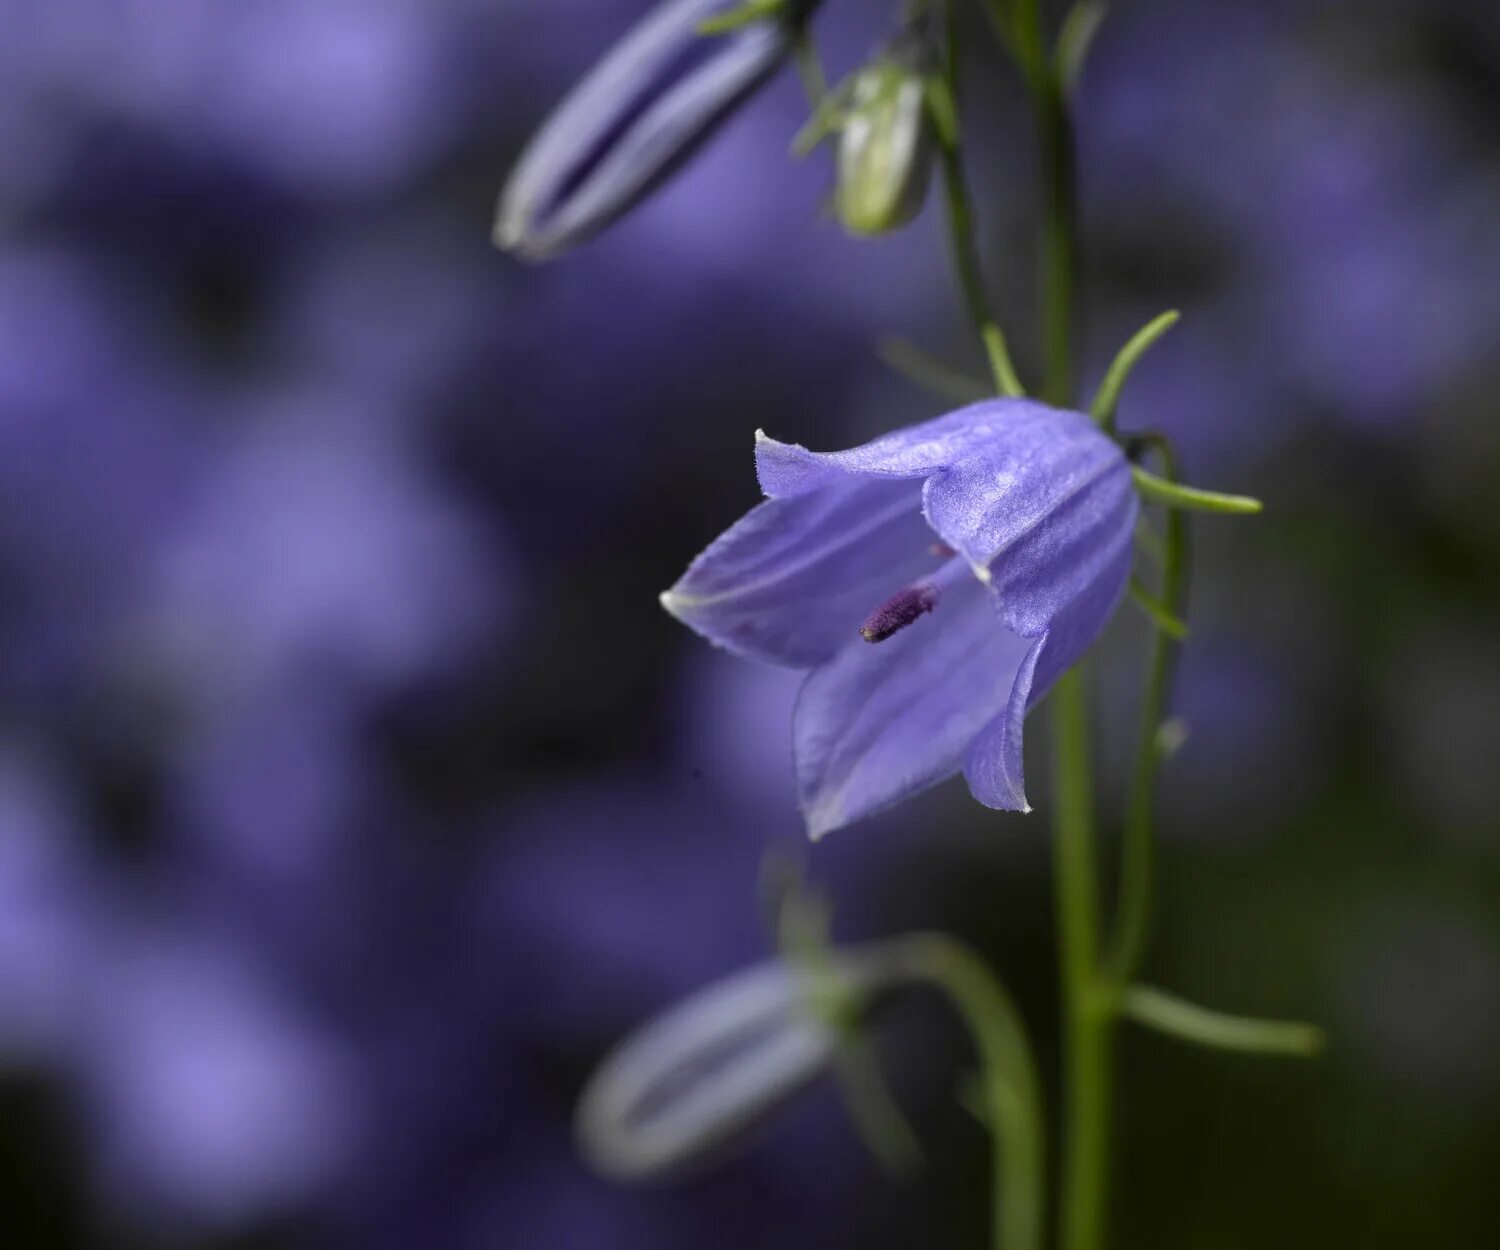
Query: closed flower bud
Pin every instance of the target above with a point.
(639, 115)
(885, 148)
(716, 1063)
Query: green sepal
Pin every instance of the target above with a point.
(1076, 38)
(1188, 1022)
(927, 371)
(803, 920)
(747, 14)
(1158, 612)
(1107, 400)
(942, 111)
(1155, 489)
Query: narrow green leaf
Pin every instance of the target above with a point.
(748, 13)
(1155, 489)
(1154, 608)
(942, 110)
(1108, 397)
(1188, 1022)
(927, 371)
(1076, 38)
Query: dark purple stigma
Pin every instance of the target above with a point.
(899, 611)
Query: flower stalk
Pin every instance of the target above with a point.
(1138, 856)
(1087, 1017)
(1011, 1089)
(942, 92)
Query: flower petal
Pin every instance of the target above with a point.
(1029, 498)
(793, 580)
(914, 451)
(994, 765)
(880, 722)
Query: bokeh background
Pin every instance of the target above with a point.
(355, 794)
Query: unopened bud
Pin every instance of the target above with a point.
(885, 148)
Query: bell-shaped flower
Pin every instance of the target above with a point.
(980, 553)
(644, 110)
(712, 1066)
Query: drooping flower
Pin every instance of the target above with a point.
(981, 552)
(642, 112)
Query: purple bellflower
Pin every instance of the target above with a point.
(637, 117)
(981, 553)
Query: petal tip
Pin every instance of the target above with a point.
(821, 819)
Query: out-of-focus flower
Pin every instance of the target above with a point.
(44, 901)
(705, 1070)
(634, 120)
(885, 147)
(210, 1096)
(322, 551)
(1031, 510)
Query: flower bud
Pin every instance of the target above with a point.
(885, 148)
(640, 114)
(717, 1062)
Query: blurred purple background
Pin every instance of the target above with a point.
(355, 794)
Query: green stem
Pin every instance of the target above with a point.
(1138, 854)
(965, 249)
(810, 69)
(1088, 1013)
(1012, 1089)
(1087, 1009)
(1059, 248)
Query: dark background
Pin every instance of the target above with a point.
(355, 794)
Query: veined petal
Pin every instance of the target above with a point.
(1026, 498)
(880, 722)
(646, 108)
(792, 581)
(994, 764)
(914, 451)
(1057, 562)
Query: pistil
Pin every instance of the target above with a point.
(912, 602)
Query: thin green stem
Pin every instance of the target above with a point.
(810, 69)
(1059, 248)
(1087, 1009)
(1012, 1090)
(1132, 928)
(960, 214)
(1087, 1014)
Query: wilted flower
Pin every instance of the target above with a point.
(645, 109)
(714, 1064)
(885, 146)
(1009, 523)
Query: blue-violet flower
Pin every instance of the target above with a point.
(643, 111)
(982, 552)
